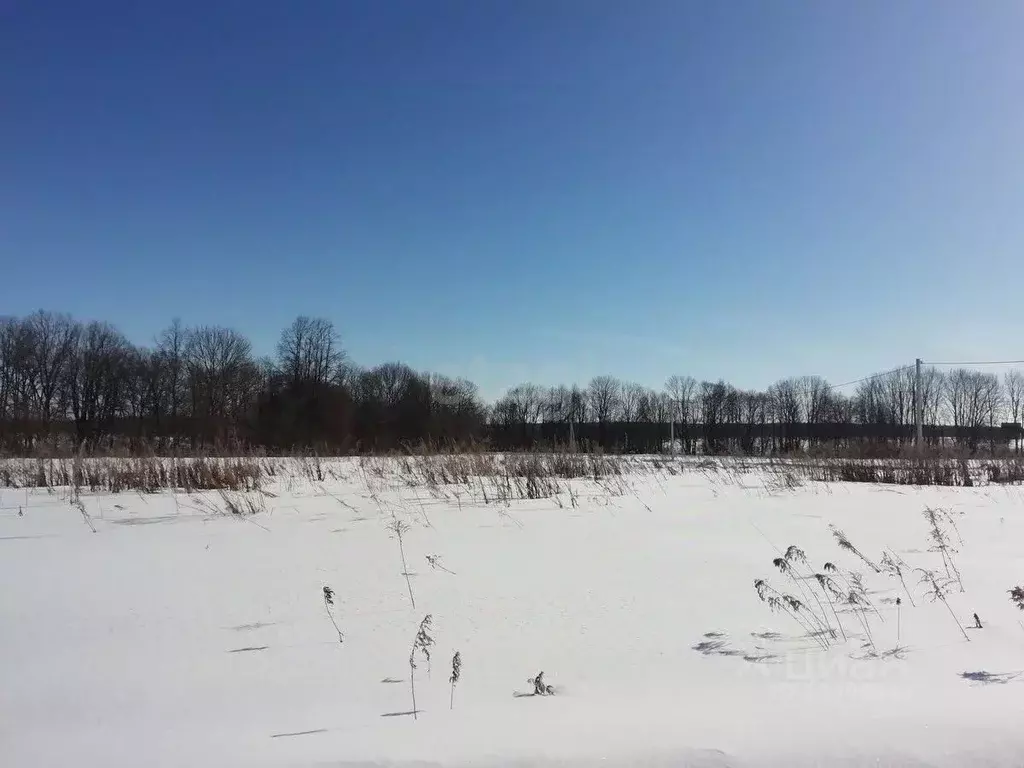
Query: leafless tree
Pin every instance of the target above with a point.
(1013, 386)
(556, 405)
(221, 377)
(167, 373)
(898, 394)
(869, 403)
(712, 413)
(933, 393)
(577, 405)
(604, 396)
(53, 341)
(15, 373)
(649, 406)
(630, 395)
(97, 378)
(974, 398)
(681, 389)
(456, 409)
(309, 352)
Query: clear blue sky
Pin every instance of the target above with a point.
(524, 190)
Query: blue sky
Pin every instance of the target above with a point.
(527, 191)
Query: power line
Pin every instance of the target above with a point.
(979, 362)
(872, 376)
(830, 387)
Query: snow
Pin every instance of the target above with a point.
(177, 635)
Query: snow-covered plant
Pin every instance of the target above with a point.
(894, 565)
(858, 603)
(540, 688)
(328, 603)
(832, 593)
(937, 590)
(856, 582)
(398, 529)
(1017, 597)
(790, 564)
(777, 601)
(848, 589)
(845, 543)
(421, 644)
(435, 562)
(899, 620)
(937, 520)
(454, 678)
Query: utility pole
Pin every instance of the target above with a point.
(672, 434)
(918, 405)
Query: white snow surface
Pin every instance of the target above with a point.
(176, 635)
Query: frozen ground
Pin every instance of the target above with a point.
(177, 635)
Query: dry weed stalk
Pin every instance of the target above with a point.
(789, 565)
(845, 543)
(894, 565)
(435, 563)
(937, 590)
(454, 678)
(1017, 597)
(399, 528)
(328, 603)
(80, 506)
(832, 591)
(858, 603)
(540, 688)
(941, 542)
(788, 604)
(421, 643)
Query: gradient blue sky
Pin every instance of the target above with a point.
(524, 190)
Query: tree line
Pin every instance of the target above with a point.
(86, 383)
(960, 405)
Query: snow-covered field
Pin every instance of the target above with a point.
(178, 635)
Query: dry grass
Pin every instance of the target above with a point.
(501, 478)
(941, 471)
(143, 474)
(477, 474)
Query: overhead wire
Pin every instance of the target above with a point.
(830, 387)
(869, 378)
(977, 362)
(901, 368)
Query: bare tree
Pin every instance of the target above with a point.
(974, 400)
(52, 346)
(604, 394)
(681, 389)
(1013, 385)
(456, 408)
(649, 406)
(933, 393)
(557, 404)
(15, 373)
(898, 394)
(97, 379)
(221, 377)
(869, 403)
(815, 395)
(629, 401)
(309, 352)
(577, 405)
(168, 374)
(712, 413)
